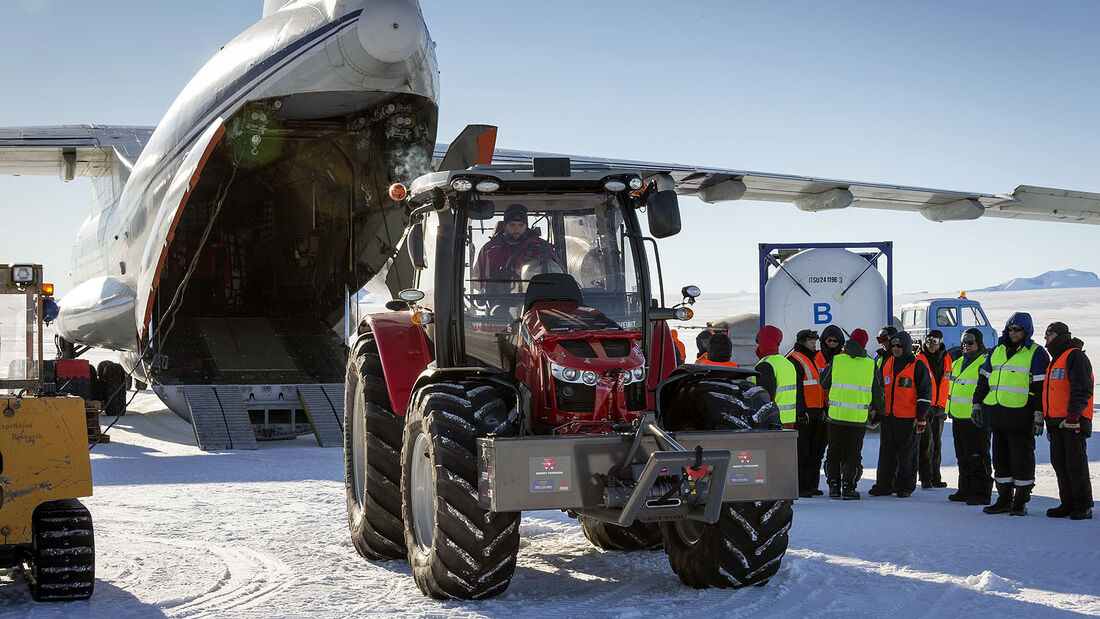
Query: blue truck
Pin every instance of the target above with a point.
(951, 316)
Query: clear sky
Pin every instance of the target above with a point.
(977, 96)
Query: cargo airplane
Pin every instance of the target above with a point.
(225, 247)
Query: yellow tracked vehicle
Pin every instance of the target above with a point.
(44, 463)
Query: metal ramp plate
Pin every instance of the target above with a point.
(206, 418)
(241, 435)
(321, 415)
(335, 393)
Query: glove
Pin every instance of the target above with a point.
(976, 415)
(920, 425)
(803, 418)
(1037, 426)
(1072, 422)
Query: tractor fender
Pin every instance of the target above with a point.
(667, 387)
(403, 350)
(495, 377)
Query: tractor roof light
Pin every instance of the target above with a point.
(485, 186)
(636, 183)
(47, 290)
(614, 185)
(462, 185)
(22, 274)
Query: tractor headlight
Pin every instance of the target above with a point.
(462, 184)
(638, 374)
(589, 377)
(635, 183)
(22, 274)
(569, 374)
(614, 185)
(487, 186)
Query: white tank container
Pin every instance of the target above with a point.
(825, 274)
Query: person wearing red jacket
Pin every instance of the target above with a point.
(1068, 406)
(501, 260)
(930, 448)
(908, 386)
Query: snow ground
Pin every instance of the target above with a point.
(186, 533)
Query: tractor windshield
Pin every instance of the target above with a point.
(582, 236)
(18, 338)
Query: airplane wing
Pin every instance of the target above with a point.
(70, 150)
(819, 194)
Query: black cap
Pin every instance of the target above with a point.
(935, 333)
(1058, 328)
(515, 212)
(806, 334)
(887, 331)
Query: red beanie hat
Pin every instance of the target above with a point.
(767, 341)
(859, 336)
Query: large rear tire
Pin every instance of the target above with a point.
(607, 536)
(456, 549)
(372, 458)
(61, 563)
(113, 381)
(747, 544)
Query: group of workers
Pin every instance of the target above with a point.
(1009, 395)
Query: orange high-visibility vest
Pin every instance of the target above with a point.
(812, 393)
(940, 389)
(901, 390)
(703, 360)
(1056, 390)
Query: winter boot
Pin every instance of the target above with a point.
(877, 490)
(1058, 512)
(1019, 502)
(848, 492)
(1004, 500)
(957, 497)
(834, 488)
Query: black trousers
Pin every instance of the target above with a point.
(1014, 456)
(845, 458)
(930, 448)
(972, 452)
(897, 455)
(812, 438)
(1071, 465)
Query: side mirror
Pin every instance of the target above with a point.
(415, 243)
(663, 209)
(481, 210)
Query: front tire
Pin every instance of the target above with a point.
(456, 549)
(372, 458)
(747, 544)
(113, 381)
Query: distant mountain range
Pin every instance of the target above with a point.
(1066, 278)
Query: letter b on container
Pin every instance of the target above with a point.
(823, 314)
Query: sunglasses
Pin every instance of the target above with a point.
(896, 346)
(972, 342)
(933, 340)
(832, 340)
(1014, 329)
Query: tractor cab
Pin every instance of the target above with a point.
(544, 278)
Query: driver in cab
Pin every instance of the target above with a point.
(502, 259)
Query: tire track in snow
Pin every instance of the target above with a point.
(242, 577)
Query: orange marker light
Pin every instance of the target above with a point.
(398, 192)
(47, 289)
(690, 314)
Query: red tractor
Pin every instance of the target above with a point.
(527, 364)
